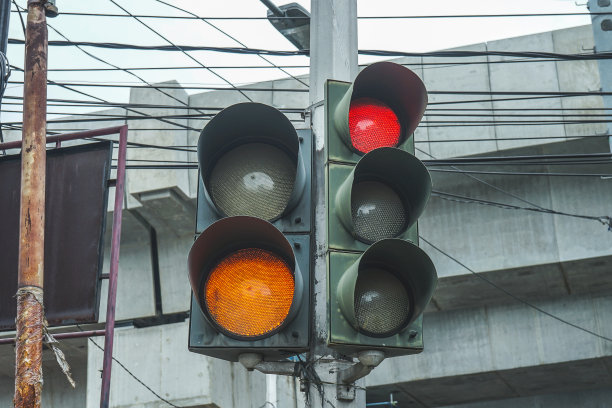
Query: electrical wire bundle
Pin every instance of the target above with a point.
(5, 73)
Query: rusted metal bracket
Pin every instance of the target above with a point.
(27, 390)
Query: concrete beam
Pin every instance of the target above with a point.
(502, 352)
(533, 255)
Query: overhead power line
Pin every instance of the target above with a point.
(209, 115)
(519, 158)
(143, 114)
(438, 16)
(303, 90)
(531, 174)
(538, 159)
(559, 118)
(510, 294)
(89, 54)
(78, 102)
(429, 112)
(523, 98)
(501, 190)
(98, 59)
(605, 220)
(111, 65)
(521, 109)
(187, 165)
(383, 53)
(460, 140)
(527, 138)
(131, 374)
(179, 48)
(232, 38)
(422, 64)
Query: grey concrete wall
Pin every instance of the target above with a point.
(169, 132)
(452, 77)
(476, 75)
(158, 356)
(504, 352)
(530, 253)
(599, 398)
(135, 277)
(579, 76)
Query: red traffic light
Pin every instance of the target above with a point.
(373, 124)
(382, 108)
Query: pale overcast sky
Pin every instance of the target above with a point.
(408, 35)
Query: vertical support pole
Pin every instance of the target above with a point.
(602, 34)
(5, 16)
(30, 313)
(114, 270)
(333, 55)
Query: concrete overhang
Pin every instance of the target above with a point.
(502, 352)
(534, 255)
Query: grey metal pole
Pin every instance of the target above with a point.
(333, 55)
(5, 16)
(602, 33)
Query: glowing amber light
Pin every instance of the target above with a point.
(372, 124)
(249, 293)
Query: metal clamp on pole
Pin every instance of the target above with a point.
(368, 360)
(51, 9)
(254, 361)
(49, 6)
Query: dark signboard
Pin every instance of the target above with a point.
(75, 214)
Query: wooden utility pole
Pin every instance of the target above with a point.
(30, 312)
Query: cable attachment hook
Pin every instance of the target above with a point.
(606, 220)
(50, 8)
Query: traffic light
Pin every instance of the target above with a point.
(249, 268)
(380, 281)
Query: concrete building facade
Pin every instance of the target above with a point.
(483, 348)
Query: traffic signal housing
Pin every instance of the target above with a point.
(249, 268)
(253, 162)
(380, 281)
(382, 108)
(381, 196)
